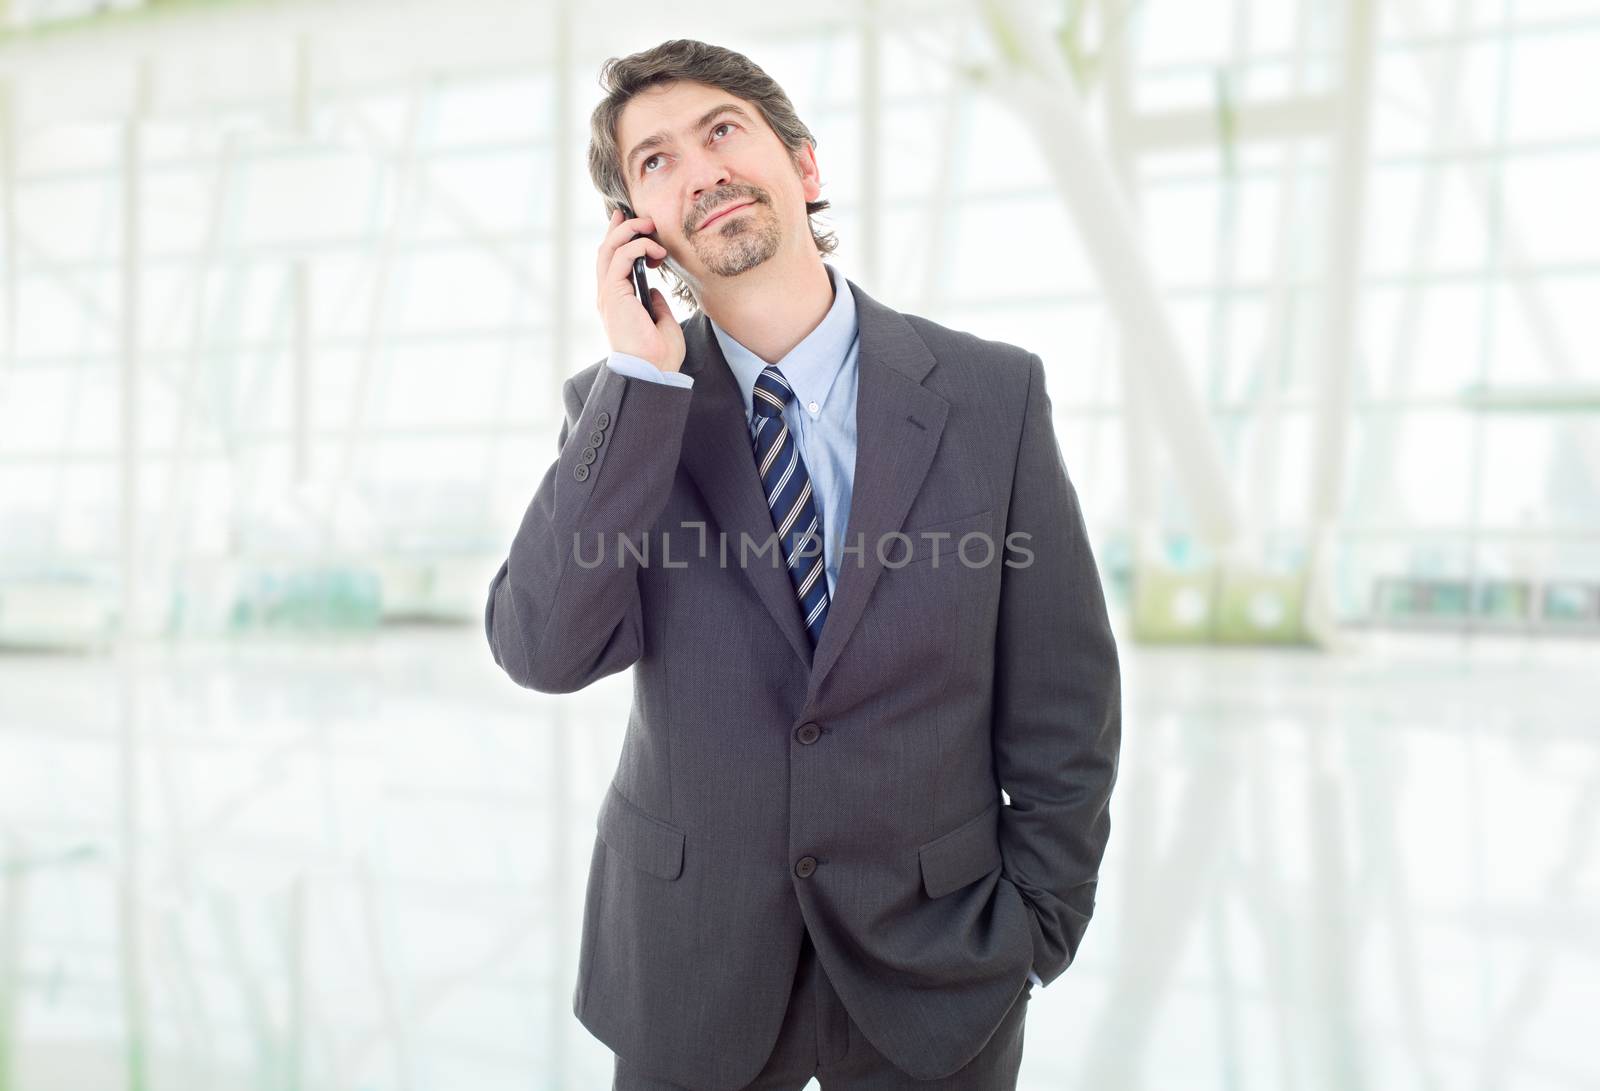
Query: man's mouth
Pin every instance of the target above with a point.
(715, 216)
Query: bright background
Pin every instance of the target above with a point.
(288, 293)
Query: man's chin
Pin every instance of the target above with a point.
(730, 262)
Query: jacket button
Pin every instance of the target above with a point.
(602, 420)
(596, 438)
(581, 472)
(805, 866)
(586, 456)
(808, 734)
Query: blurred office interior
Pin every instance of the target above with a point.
(288, 291)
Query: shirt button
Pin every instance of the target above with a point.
(812, 406)
(805, 866)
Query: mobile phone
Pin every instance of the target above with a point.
(641, 286)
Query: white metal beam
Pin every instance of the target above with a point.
(8, 235)
(383, 262)
(130, 905)
(1554, 348)
(1037, 84)
(1275, 120)
(1341, 313)
(1140, 441)
(870, 106)
(300, 407)
(940, 217)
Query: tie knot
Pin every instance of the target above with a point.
(772, 392)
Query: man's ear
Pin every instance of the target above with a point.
(805, 165)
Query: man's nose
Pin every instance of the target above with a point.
(712, 176)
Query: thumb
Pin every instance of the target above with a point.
(660, 311)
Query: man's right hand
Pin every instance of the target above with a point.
(656, 337)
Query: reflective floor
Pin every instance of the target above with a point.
(359, 864)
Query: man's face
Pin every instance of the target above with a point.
(714, 151)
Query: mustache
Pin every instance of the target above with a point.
(722, 206)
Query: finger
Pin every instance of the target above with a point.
(622, 258)
(623, 230)
(612, 243)
(639, 225)
(660, 309)
(619, 234)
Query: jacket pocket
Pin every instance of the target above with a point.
(964, 855)
(643, 841)
(925, 549)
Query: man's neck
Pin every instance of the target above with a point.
(772, 314)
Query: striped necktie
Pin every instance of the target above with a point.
(788, 488)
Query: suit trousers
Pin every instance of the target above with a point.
(819, 1039)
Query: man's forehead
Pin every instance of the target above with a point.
(669, 106)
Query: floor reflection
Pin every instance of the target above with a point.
(360, 863)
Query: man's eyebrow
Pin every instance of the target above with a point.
(656, 140)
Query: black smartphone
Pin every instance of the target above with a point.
(641, 286)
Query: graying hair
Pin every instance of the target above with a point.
(686, 59)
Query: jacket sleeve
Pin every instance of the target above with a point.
(556, 625)
(1058, 696)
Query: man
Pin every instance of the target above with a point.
(839, 548)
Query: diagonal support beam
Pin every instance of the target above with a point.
(1036, 82)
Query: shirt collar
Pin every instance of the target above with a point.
(812, 365)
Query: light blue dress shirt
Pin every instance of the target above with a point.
(821, 370)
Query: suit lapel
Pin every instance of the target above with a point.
(717, 454)
(898, 425)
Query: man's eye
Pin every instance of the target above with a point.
(644, 167)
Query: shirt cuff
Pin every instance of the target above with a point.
(636, 368)
(1033, 977)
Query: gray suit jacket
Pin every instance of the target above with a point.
(855, 794)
